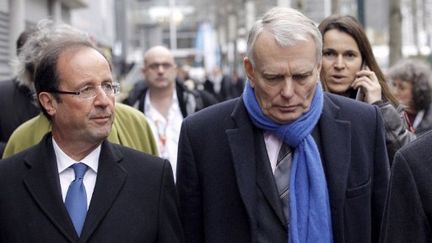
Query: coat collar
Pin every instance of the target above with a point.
(241, 141)
(265, 179)
(336, 145)
(110, 180)
(335, 139)
(42, 182)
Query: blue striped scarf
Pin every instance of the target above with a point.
(310, 218)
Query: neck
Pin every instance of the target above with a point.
(350, 93)
(77, 150)
(411, 110)
(161, 99)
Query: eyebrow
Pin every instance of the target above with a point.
(91, 83)
(343, 51)
(296, 72)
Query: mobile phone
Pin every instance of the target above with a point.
(360, 94)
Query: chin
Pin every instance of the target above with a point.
(102, 133)
(99, 138)
(285, 119)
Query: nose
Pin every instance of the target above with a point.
(161, 68)
(102, 98)
(396, 92)
(287, 90)
(339, 62)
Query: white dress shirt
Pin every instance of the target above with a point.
(67, 174)
(166, 131)
(273, 145)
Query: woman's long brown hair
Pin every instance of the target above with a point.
(349, 25)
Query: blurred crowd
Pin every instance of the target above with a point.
(153, 117)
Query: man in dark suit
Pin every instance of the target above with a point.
(75, 186)
(285, 162)
(407, 215)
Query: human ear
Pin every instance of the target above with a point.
(249, 69)
(48, 102)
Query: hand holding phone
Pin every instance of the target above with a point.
(367, 85)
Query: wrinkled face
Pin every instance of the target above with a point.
(402, 90)
(159, 68)
(340, 62)
(73, 117)
(284, 78)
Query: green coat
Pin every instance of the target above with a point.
(130, 128)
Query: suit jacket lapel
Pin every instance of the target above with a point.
(42, 182)
(241, 142)
(266, 182)
(336, 144)
(110, 179)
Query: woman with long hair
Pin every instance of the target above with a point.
(349, 68)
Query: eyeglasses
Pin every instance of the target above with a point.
(88, 92)
(155, 66)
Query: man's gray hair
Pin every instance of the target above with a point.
(288, 27)
(37, 62)
(46, 34)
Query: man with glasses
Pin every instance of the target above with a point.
(130, 127)
(75, 185)
(166, 102)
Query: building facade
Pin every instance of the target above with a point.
(93, 16)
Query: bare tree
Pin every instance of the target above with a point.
(414, 13)
(395, 32)
(335, 6)
(300, 5)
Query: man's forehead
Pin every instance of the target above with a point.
(82, 61)
(159, 59)
(286, 69)
(158, 55)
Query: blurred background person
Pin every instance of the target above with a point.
(411, 80)
(165, 101)
(184, 77)
(16, 95)
(218, 84)
(237, 85)
(349, 69)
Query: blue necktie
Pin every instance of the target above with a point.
(76, 198)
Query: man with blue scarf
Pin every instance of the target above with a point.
(285, 162)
